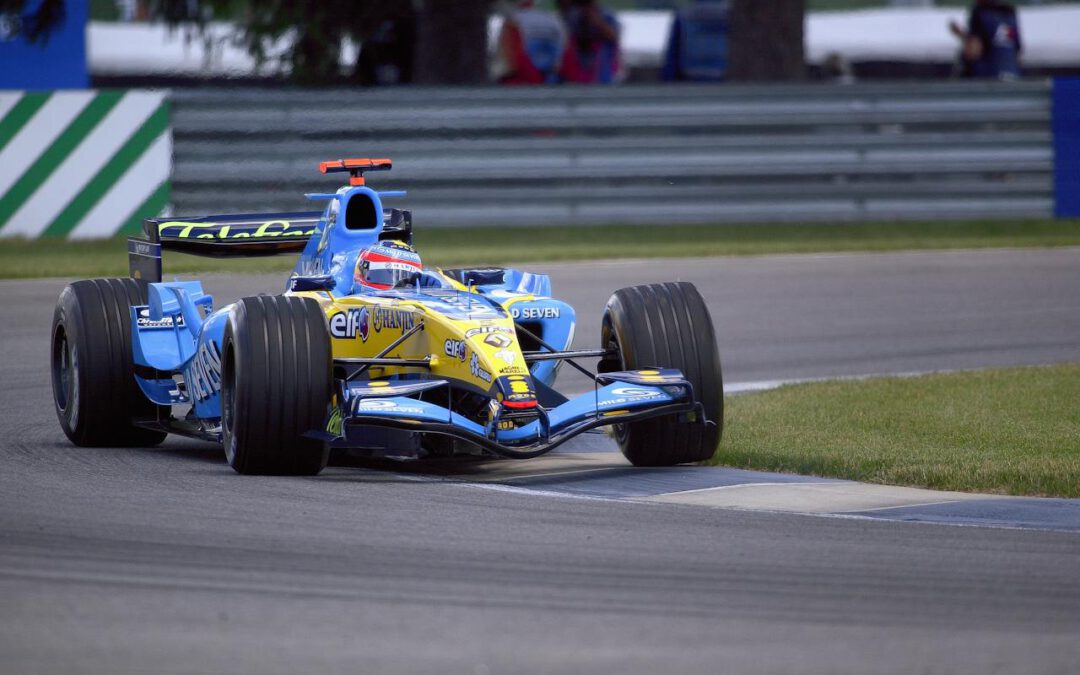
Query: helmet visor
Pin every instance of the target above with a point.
(387, 274)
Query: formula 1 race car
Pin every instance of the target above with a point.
(367, 350)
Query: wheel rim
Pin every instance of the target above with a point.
(65, 367)
(228, 409)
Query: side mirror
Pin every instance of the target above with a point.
(322, 282)
(397, 224)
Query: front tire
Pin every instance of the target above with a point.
(667, 326)
(276, 386)
(93, 375)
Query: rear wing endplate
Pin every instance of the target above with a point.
(223, 236)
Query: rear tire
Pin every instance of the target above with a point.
(667, 326)
(93, 375)
(276, 386)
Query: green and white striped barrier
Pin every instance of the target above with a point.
(82, 164)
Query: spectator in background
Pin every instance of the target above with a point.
(990, 47)
(838, 69)
(698, 43)
(592, 54)
(386, 57)
(530, 47)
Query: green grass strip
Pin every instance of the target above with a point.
(56, 153)
(153, 205)
(1010, 430)
(19, 115)
(114, 169)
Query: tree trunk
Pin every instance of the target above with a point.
(451, 45)
(766, 40)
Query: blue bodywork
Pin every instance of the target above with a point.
(179, 333)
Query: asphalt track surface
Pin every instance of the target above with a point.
(162, 560)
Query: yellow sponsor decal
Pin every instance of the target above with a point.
(334, 425)
(508, 303)
(179, 229)
(388, 319)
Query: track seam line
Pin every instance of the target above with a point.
(741, 485)
(906, 506)
(564, 473)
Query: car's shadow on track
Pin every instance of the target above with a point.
(451, 466)
(345, 467)
(586, 454)
(590, 451)
(210, 453)
(367, 470)
(179, 449)
(200, 451)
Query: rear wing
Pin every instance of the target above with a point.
(223, 236)
(257, 234)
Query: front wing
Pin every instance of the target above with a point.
(618, 397)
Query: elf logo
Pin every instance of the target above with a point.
(345, 325)
(455, 349)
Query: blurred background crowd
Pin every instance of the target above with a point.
(551, 42)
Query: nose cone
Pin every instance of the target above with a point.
(517, 392)
(493, 355)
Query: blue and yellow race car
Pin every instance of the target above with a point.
(370, 351)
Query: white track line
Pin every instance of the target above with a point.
(764, 385)
(746, 485)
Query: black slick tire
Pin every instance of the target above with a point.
(93, 376)
(667, 326)
(276, 385)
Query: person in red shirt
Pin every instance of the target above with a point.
(592, 55)
(531, 45)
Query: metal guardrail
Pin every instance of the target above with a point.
(641, 154)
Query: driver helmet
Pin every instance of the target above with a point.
(384, 265)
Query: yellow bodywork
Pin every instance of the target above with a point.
(475, 347)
